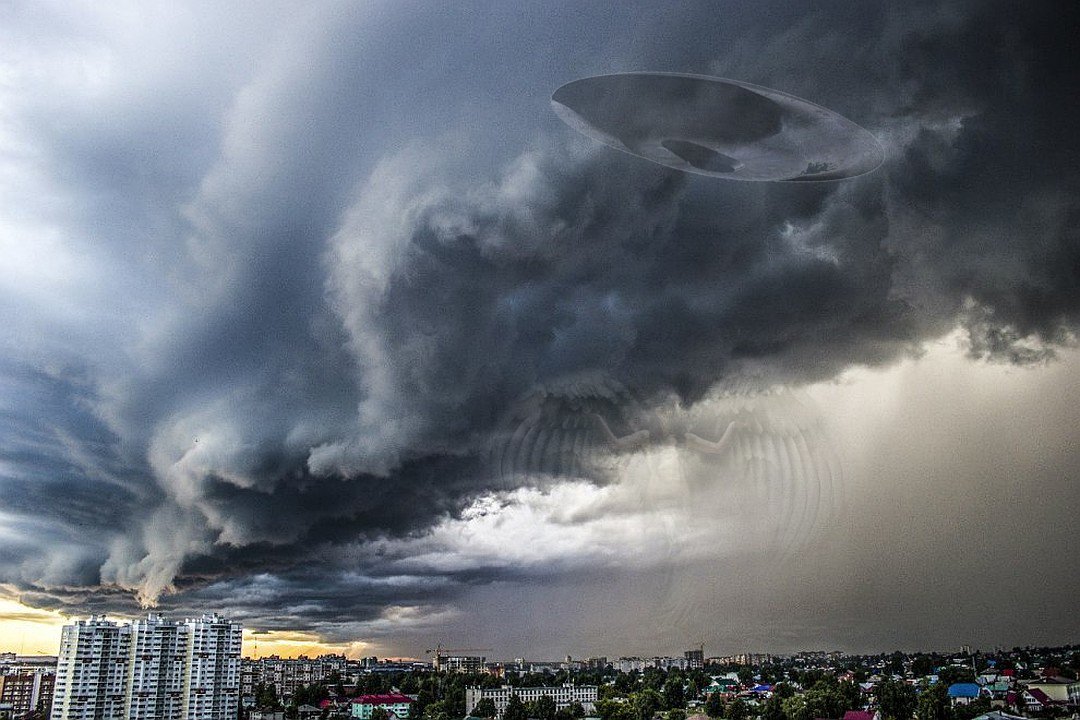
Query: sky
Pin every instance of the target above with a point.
(318, 316)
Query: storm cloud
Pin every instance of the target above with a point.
(275, 280)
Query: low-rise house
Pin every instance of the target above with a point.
(963, 693)
(1035, 700)
(395, 703)
(1059, 689)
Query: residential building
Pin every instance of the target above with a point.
(1058, 689)
(963, 693)
(91, 670)
(287, 674)
(152, 669)
(26, 689)
(695, 659)
(563, 695)
(155, 681)
(365, 705)
(212, 670)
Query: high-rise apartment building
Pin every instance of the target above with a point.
(156, 669)
(212, 670)
(152, 669)
(91, 671)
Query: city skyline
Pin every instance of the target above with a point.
(320, 317)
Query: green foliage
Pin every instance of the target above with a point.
(714, 705)
(934, 703)
(380, 714)
(896, 699)
(515, 709)
(542, 708)
(795, 708)
(676, 714)
(626, 683)
(773, 708)
(439, 710)
(673, 693)
(976, 707)
(736, 710)
(646, 703)
(266, 697)
(922, 665)
(956, 674)
(485, 708)
(614, 710)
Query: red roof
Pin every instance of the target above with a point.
(858, 715)
(1039, 695)
(387, 699)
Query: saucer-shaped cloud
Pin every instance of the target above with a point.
(716, 127)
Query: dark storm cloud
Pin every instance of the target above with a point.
(302, 268)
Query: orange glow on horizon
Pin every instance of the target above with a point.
(29, 631)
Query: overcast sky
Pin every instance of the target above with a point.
(318, 316)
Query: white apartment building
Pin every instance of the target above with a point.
(156, 669)
(212, 678)
(563, 695)
(152, 669)
(92, 671)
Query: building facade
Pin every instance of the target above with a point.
(91, 671)
(211, 688)
(563, 695)
(152, 669)
(25, 690)
(363, 706)
(156, 669)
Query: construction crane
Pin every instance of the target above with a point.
(439, 651)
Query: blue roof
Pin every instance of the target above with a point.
(963, 690)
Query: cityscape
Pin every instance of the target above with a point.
(193, 669)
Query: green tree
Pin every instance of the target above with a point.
(485, 709)
(973, 709)
(934, 703)
(673, 694)
(773, 708)
(543, 708)
(795, 708)
(437, 710)
(922, 665)
(576, 709)
(614, 710)
(515, 709)
(714, 705)
(736, 710)
(380, 713)
(896, 699)
(646, 703)
(676, 714)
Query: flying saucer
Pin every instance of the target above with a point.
(716, 127)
